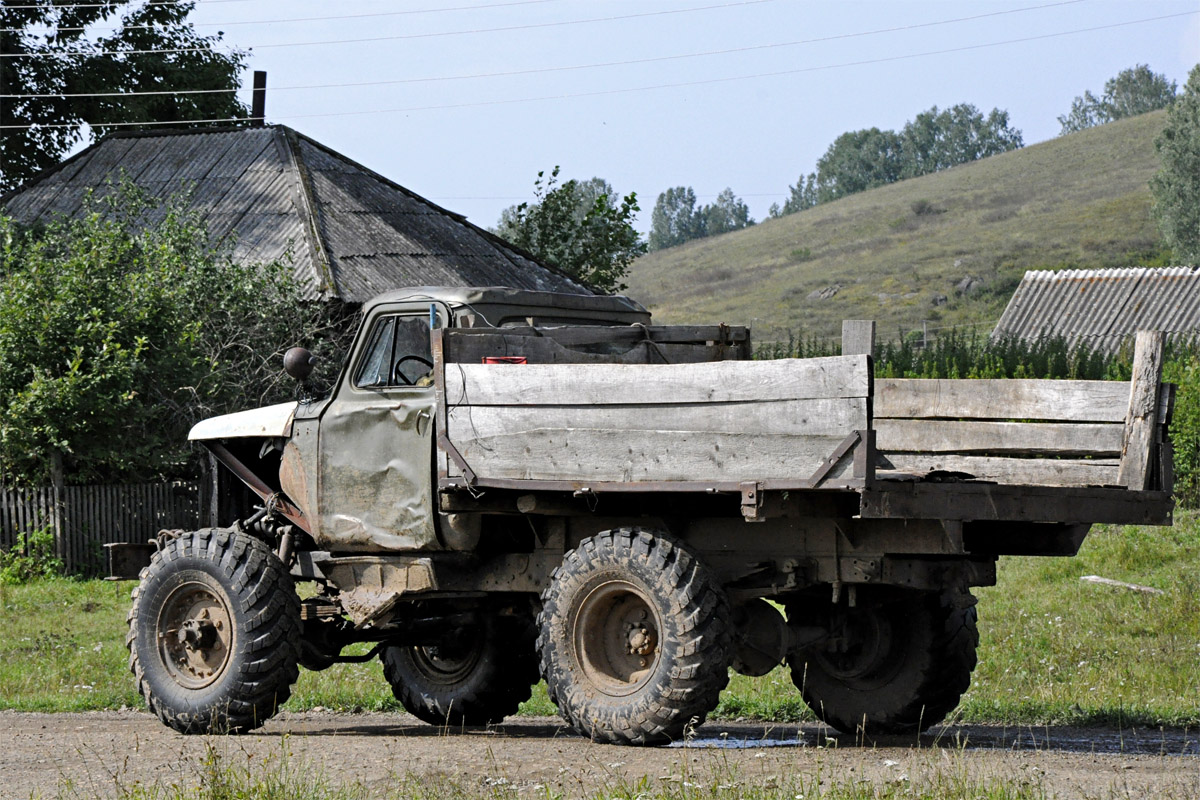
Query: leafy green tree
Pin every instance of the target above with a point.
(117, 335)
(1132, 91)
(857, 161)
(935, 140)
(727, 213)
(581, 228)
(801, 196)
(54, 52)
(675, 218)
(1176, 185)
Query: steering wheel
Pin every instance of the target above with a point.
(398, 375)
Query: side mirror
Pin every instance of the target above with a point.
(298, 362)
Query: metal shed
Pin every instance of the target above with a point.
(349, 232)
(1103, 307)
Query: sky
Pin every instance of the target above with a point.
(465, 101)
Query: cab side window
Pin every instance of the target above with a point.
(398, 353)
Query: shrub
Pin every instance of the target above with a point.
(33, 558)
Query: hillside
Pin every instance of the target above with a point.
(947, 248)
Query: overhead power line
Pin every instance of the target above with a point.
(408, 12)
(541, 70)
(679, 85)
(399, 37)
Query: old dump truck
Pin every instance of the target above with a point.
(504, 485)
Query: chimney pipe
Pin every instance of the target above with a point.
(258, 105)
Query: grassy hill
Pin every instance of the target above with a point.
(904, 253)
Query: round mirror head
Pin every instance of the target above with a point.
(298, 362)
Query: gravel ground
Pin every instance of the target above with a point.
(95, 754)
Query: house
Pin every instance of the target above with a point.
(350, 233)
(1103, 307)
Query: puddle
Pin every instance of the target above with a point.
(734, 743)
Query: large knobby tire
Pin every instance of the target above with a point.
(635, 638)
(214, 633)
(901, 666)
(479, 680)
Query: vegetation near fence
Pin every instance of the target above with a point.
(956, 354)
(35, 530)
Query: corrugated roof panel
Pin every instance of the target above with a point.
(1103, 307)
(376, 234)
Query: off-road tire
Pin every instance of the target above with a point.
(480, 684)
(245, 584)
(681, 654)
(908, 685)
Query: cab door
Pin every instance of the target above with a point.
(375, 476)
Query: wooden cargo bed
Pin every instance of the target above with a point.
(614, 410)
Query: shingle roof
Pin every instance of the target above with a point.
(351, 233)
(1103, 306)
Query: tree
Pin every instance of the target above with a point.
(936, 140)
(52, 56)
(801, 196)
(579, 228)
(857, 161)
(727, 213)
(1132, 91)
(675, 218)
(1176, 185)
(117, 335)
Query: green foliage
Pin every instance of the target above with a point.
(33, 558)
(937, 140)
(1176, 186)
(857, 161)
(32, 34)
(121, 327)
(676, 219)
(1132, 91)
(801, 196)
(579, 228)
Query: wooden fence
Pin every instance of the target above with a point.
(92, 516)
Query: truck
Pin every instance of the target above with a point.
(501, 486)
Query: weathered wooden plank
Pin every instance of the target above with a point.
(858, 337)
(633, 384)
(624, 456)
(548, 351)
(1047, 438)
(1012, 471)
(981, 501)
(1137, 454)
(832, 417)
(1066, 401)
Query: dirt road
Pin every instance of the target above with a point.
(44, 755)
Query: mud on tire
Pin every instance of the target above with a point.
(214, 633)
(634, 638)
(479, 682)
(908, 661)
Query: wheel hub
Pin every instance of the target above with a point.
(195, 634)
(616, 637)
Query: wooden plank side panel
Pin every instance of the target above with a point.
(1006, 399)
(633, 384)
(832, 417)
(586, 455)
(1099, 439)
(1020, 471)
(1137, 454)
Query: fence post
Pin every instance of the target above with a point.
(58, 489)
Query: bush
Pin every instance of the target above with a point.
(33, 558)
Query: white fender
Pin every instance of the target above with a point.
(266, 421)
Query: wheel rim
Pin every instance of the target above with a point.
(195, 634)
(446, 665)
(870, 655)
(616, 632)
